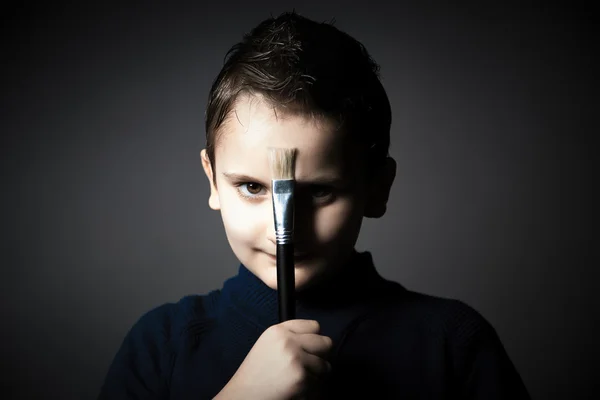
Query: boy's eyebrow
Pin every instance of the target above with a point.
(235, 177)
(319, 180)
(324, 180)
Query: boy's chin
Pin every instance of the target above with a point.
(303, 277)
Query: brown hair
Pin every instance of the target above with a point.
(302, 66)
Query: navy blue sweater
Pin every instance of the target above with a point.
(389, 342)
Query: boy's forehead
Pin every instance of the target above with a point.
(253, 127)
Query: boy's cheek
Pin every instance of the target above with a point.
(243, 221)
(334, 222)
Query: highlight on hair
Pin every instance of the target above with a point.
(304, 67)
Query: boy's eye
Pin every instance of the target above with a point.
(253, 188)
(321, 191)
(250, 189)
(322, 194)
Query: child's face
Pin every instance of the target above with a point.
(329, 200)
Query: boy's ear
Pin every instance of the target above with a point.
(379, 190)
(213, 199)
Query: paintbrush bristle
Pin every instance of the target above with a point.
(282, 163)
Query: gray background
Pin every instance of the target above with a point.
(105, 209)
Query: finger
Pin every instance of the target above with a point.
(302, 326)
(315, 365)
(315, 344)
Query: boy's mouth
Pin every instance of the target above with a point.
(297, 257)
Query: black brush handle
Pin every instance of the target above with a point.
(286, 286)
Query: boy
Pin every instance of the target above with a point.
(299, 84)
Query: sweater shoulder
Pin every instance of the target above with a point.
(453, 318)
(170, 321)
(454, 313)
(480, 365)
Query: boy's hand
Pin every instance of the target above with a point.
(287, 362)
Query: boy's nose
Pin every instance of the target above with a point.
(271, 230)
(298, 231)
(302, 225)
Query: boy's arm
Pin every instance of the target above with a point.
(484, 368)
(142, 364)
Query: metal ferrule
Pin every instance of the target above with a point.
(283, 209)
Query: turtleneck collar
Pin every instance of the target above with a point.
(258, 302)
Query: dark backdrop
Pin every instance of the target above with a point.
(105, 203)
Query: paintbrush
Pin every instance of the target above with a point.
(282, 163)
